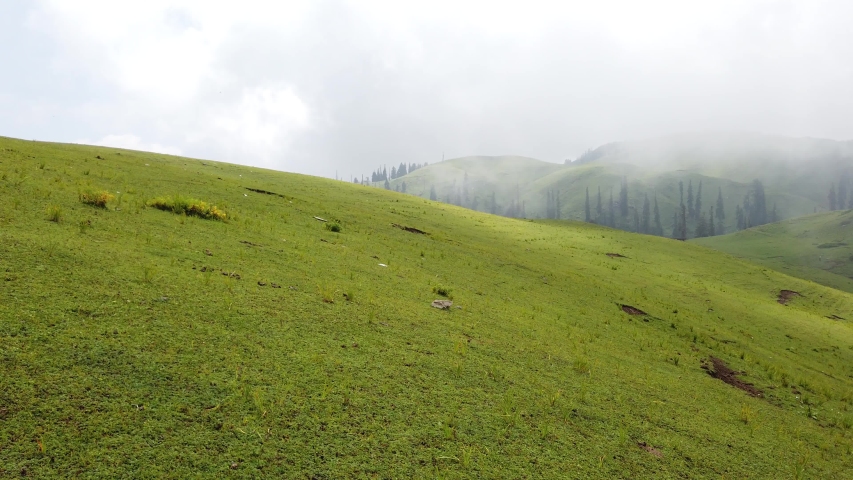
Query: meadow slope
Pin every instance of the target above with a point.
(816, 247)
(135, 342)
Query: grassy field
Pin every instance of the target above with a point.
(136, 342)
(816, 247)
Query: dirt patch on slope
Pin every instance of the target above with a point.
(654, 451)
(719, 370)
(409, 229)
(786, 295)
(615, 255)
(632, 310)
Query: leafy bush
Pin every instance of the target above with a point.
(333, 227)
(96, 198)
(188, 206)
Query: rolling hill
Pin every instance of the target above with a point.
(816, 247)
(281, 326)
(796, 172)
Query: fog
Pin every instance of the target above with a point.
(342, 87)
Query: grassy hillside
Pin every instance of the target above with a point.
(135, 342)
(528, 182)
(816, 247)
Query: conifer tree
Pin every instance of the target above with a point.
(636, 221)
(674, 224)
(598, 210)
(494, 204)
(739, 217)
(691, 212)
(712, 230)
(721, 214)
(612, 222)
(658, 226)
(842, 191)
(387, 185)
(683, 227)
(646, 214)
(465, 197)
(697, 206)
(623, 197)
(832, 197)
(586, 211)
(681, 190)
(557, 204)
(701, 226)
(403, 187)
(432, 195)
(774, 217)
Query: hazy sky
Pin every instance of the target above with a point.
(320, 86)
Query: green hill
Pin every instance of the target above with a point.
(816, 247)
(138, 343)
(796, 173)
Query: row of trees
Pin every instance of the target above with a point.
(838, 199)
(381, 174)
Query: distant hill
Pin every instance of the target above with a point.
(816, 247)
(796, 174)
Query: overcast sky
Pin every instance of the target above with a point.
(320, 86)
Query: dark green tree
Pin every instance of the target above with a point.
(721, 214)
(586, 212)
(432, 195)
(612, 218)
(637, 221)
(691, 212)
(598, 208)
(494, 204)
(387, 185)
(697, 203)
(741, 223)
(403, 187)
(832, 197)
(757, 213)
(675, 224)
(774, 217)
(658, 226)
(646, 215)
(623, 197)
(712, 230)
(701, 226)
(681, 190)
(842, 191)
(682, 228)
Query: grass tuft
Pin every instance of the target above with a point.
(188, 206)
(55, 213)
(95, 198)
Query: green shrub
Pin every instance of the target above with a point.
(333, 227)
(96, 198)
(188, 206)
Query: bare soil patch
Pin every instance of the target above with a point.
(835, 317)
(409, 229)
(719, 370)
(787, 295)
(654, 451)
(265, 192)
(632, 310)
(615, 255)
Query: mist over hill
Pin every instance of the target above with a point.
(700, 171)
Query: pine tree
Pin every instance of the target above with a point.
(658, 226)
(697, 207)
(612, 221)
(691, 212)
(739, 217)
(712, 230)
(636, 221)
(557, 204)
(646, 214)
(758, 211)
(465, 197)
(681, 190)
(674, 224)
(432, 195)
(586, 211)
(494, 205)
(774, 217)
(832, 197)
(387, 185)
(682, 230)
(721, 214)
(701, 226)
(623, 197)
(598, 210)
(403, 187)
(842, 191)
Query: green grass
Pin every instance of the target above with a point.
(815, 247)
(157, 345)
